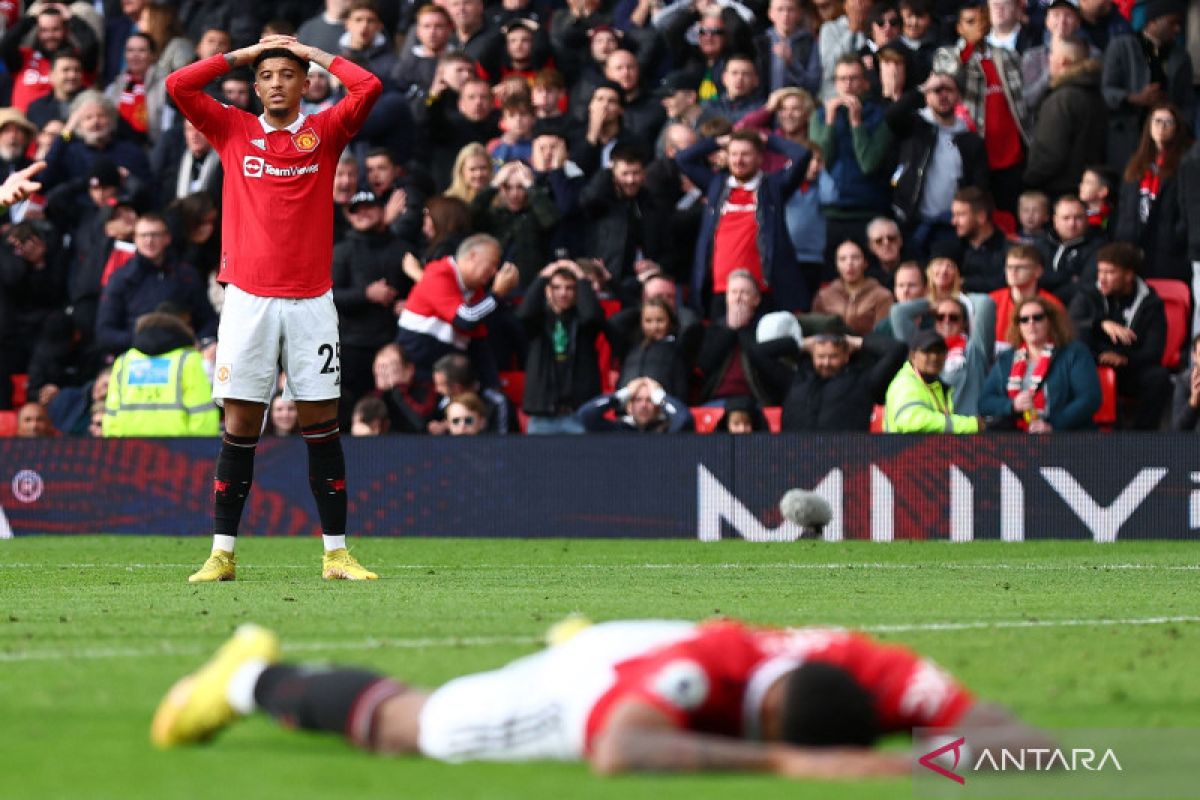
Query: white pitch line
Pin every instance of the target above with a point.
(166, 649)
(1023, 623)
(879, 565)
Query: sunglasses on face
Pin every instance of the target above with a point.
(1025, 319)
(951, 317)
(461, 420)
(944, 88)
(712, 31)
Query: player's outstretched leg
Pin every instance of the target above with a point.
(242, 677)
(327, 478)
(342, 700)
(200, 704)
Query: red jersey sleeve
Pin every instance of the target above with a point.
(186, 87)
(362, 90)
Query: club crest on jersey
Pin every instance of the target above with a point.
(683, 684)
(306, 140)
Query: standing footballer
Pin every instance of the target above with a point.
(276, 257)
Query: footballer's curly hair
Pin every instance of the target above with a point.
(824, 706)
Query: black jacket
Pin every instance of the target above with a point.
(918, 137)
(524, 235)
(1162, 236)
(29, 295)
(554, 387)
(358, 261)
(679, 226)
(138, 288)
(618, 228)
(663, 361)
(1090, 308)
(983, 266)
(845, 401)
(1071, 131)
(767, 375)
(1067, 264)
(1189, 201)
(447, 131)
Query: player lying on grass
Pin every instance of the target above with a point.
(625, 696)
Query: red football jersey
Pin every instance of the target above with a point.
(441, 306)
(32, 80)
(277, 208)
(714, 682)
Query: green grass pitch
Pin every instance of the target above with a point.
(93, 630)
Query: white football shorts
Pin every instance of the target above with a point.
(537, 707)
(258, 336)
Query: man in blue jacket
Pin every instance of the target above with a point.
(744, 224)
(150, 278)
(850, 132)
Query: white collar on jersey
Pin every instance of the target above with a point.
(293, 128)
(750, 185)
(756, 688)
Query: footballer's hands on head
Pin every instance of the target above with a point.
(246, 55)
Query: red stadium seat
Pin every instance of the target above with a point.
(1106, 415)
(20, 387)
(774, 415)
(512, 383)
(706, 419)
(8, 424)
(1177, 299)
(877, 415)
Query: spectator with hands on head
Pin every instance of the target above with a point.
(642, 406)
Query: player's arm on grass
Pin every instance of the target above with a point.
(641, 738)
(988, 726)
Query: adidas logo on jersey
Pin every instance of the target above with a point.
(261, 144)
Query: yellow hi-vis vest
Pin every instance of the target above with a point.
(914, 406)
(163, 395)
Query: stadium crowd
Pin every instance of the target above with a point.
(927, 215)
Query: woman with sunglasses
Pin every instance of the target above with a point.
(966, 322)
(1048, 381)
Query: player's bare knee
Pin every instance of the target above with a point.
(397, 724)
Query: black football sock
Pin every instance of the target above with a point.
(231, 486)
(327, 475)
(334, 699)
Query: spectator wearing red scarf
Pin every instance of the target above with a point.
(1150, 211)
(1046, 382)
